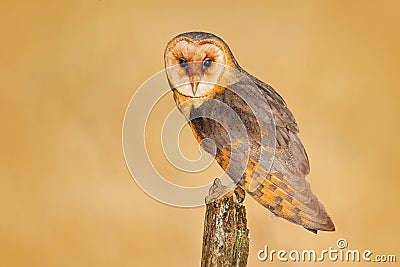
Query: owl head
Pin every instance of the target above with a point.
(196, 61)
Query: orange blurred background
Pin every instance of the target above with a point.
(69, 69)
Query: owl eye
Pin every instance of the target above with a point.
(182, 63)
(207, 63)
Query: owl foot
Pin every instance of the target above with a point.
(218, 190)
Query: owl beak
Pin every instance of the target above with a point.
(194, 87)
(195, 73)
(194, 83)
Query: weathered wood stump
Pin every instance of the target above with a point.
(225, 237)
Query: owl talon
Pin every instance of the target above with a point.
(240, 194)
(216, 191)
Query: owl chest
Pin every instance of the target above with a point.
(227, 122)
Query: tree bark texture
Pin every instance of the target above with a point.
(225, 237)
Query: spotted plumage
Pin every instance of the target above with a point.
(202, 71)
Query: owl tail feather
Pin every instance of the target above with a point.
(284, 201)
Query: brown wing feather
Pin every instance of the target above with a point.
(295, 202)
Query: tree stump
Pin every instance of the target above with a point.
(225, 237)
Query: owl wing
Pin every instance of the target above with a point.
(283, 188)
(291, 153)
